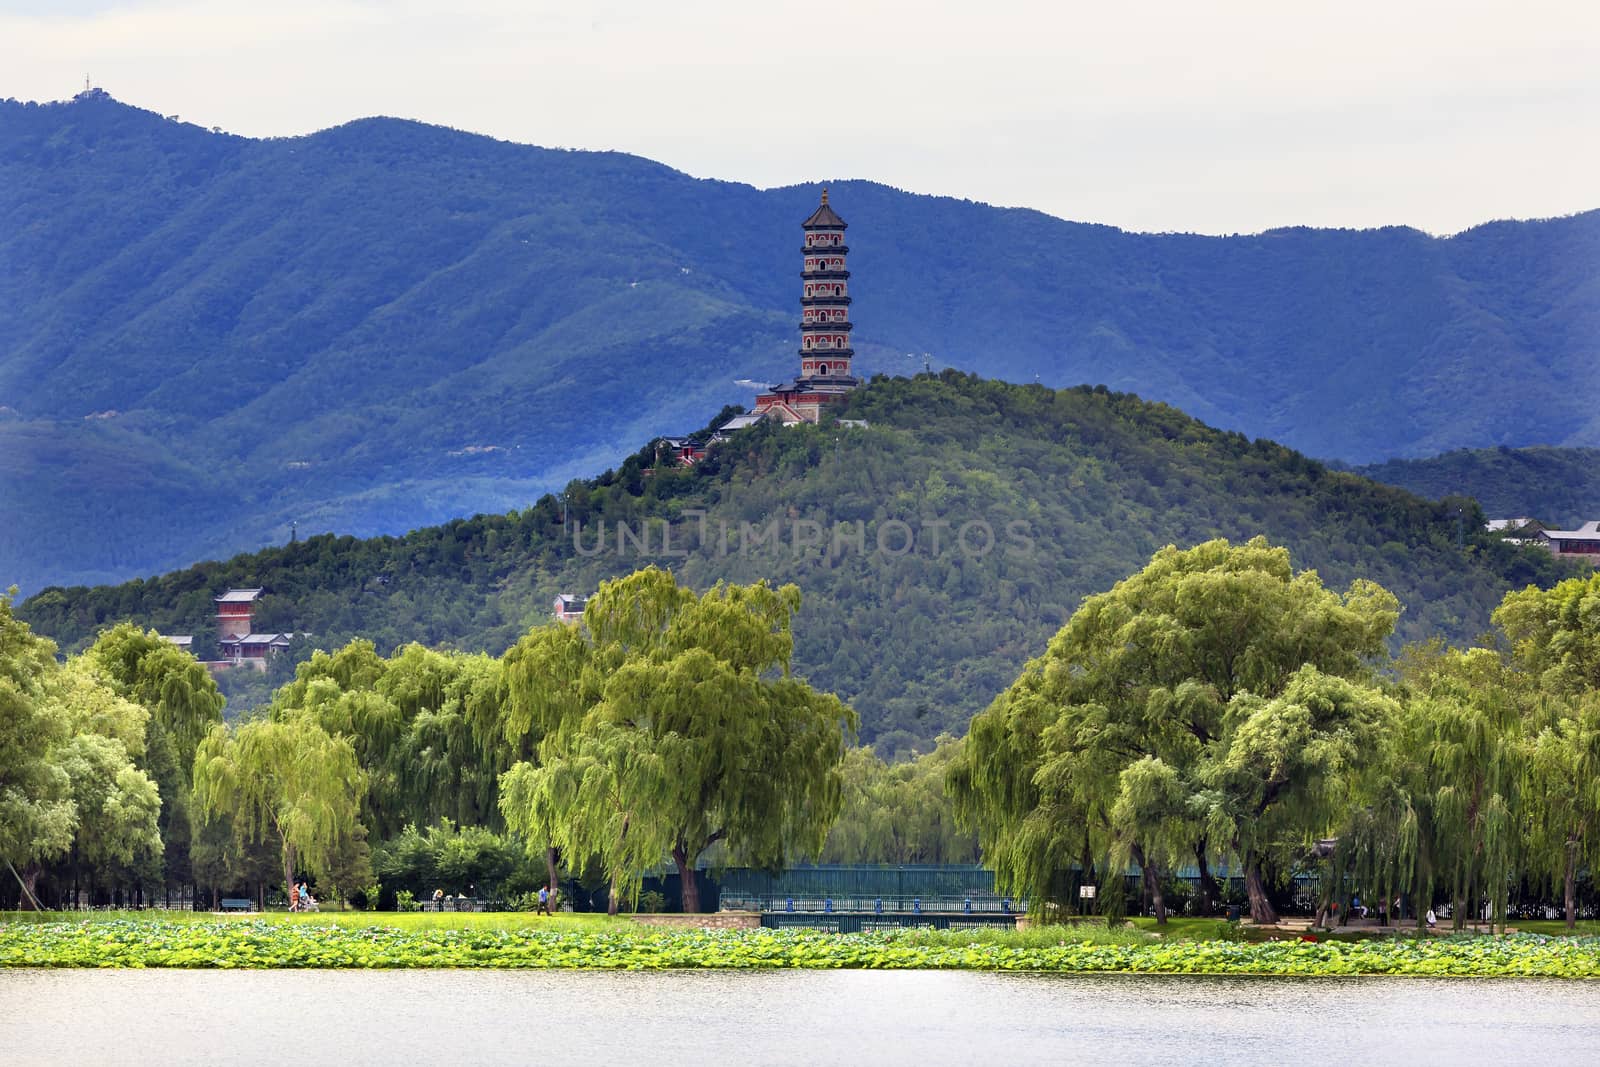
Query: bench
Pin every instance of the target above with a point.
(238, 904)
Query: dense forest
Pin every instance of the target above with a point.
(1217, 707)
(1558, 486)
(937, 547)
(205, 338)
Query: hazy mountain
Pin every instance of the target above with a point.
(1558, 486)
(1016, 501)
(204, 337)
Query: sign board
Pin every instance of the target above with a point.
(1086, 892)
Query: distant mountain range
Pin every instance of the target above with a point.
(204, 338)
(1558, 486)
(938, 548)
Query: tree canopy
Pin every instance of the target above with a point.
(917, 642)
(285, 779)
(671, 722)
(1180, 704)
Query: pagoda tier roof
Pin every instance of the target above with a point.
(237, 596)
(816, 383)
(824, 218)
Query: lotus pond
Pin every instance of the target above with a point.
(257, 944)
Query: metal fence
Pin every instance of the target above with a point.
(857, 923)
(865, 888)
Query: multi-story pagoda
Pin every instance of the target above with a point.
(825, 351)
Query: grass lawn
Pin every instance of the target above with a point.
(1557, 927)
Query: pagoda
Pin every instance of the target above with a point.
(825, 351)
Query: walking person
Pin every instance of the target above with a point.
(544, 900)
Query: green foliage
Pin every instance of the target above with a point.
(917, 643)
(1555, 633)
(262, 944)
(285, 780)
(69, 779)
(1487, 789)
(670, 723)
(180, 694)
(1558, 486)
(454, 859)
(1215, 696)
(36, 810)
(423, 725)
(898, 812)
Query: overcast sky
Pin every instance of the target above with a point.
(1220, 117)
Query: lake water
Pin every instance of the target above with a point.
(463, 1018)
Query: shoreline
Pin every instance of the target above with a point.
(245, 944)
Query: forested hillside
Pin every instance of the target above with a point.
(1558, 486)
(986, 512)
(205, 337)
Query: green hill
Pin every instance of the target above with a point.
(1077, 488)
(1558, 486)
(385, 324)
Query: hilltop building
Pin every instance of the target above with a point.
(825, 354)
(234, 611)
(237, 640)
(569, 608)
(1584, 541)
(684, 452)
(825, 377)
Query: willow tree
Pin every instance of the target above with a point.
(1467, 711)
(285, 779)
(416, 723)
(183, 703)
(680, 713)
(1563, 802)
(601, 798)
(1153, 823)
(37, 815)
(117, 804)
(899, 812)
(1151, 670)
(180, 694)
(68, 746)
(1555, 638)
(1555, 633)
(1282, 772)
